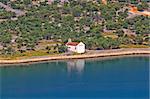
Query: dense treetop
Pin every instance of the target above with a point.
(77, 19)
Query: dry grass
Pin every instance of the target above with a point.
(110, 34)
(24, 55)
(49, 42)
(134, 46)
(29, 54)
(35, 53)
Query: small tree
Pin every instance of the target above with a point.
(62, 49)
(8, 51)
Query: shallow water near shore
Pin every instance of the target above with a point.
(117, 78)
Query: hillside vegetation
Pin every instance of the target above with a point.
(99, 26)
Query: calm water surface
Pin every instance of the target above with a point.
(116, 78)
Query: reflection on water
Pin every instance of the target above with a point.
(75, 65)
(116, 78)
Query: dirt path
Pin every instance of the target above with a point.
(9, 9)
(89, 54)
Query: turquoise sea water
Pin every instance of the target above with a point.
(116, 78)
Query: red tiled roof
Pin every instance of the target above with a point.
(72, 43)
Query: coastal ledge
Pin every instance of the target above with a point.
(89, 54)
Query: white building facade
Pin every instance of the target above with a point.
(76, 47)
